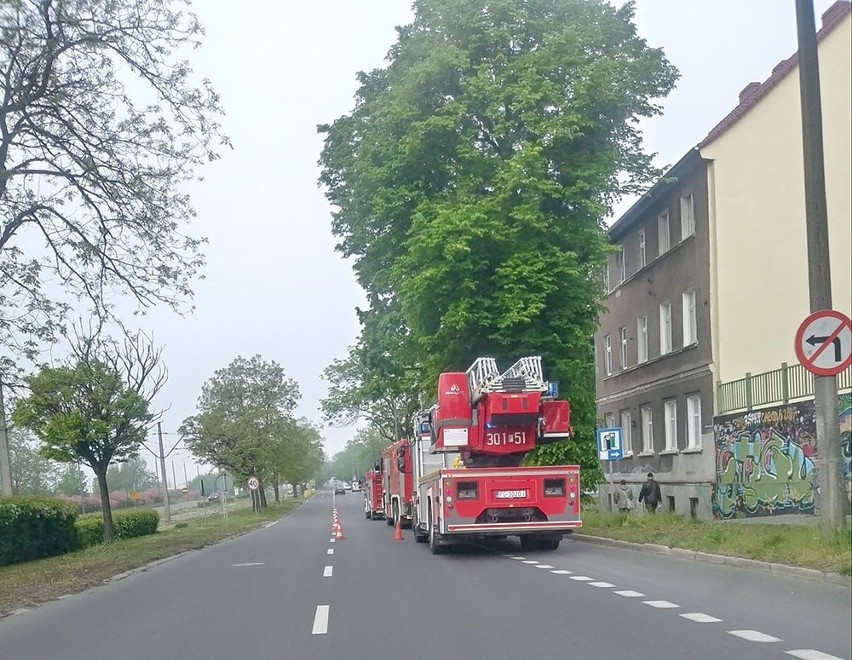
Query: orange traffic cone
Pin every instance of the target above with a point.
(397, 533)
(339, 533)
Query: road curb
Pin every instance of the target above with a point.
(709, 558)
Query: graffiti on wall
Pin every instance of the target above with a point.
(766, 459)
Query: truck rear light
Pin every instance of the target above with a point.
(554, 487)
(467, 490)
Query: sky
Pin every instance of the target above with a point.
(273, 283)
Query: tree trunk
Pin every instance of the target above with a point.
(262, 491)
(277, 494)
(109, 529)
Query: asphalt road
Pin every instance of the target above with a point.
(288, 592)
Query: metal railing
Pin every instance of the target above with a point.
(789, 383)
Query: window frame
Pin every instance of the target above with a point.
(643, 257)
(670, 424)
(620, 265)
(687, 216)
(608, 355)
(690, 317)
(693, 421)
(665, 321)
(664, 223)
(646, 414)
(622, 340)
(641, 339)
(626, 421)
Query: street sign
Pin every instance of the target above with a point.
(135, 495)
(609, 444)
(824, 343)
(253, 483)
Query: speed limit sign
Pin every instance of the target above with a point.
(253, 483)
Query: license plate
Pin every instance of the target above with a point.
(510, 494)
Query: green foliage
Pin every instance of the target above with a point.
(32, 473)
(181, 525)
(470, 182)
(72, 481)
(35, 527)
(133, 475)
(129, 524)
(359, 455)
(90, 530)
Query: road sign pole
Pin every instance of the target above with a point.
(162, 458)
(833, 502)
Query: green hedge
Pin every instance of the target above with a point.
(90, 530)
(135, 523)
(35, 527)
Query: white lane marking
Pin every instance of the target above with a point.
(529, 561)
(320, 620)
(561, 572)
(332, 540)
(581, 578)
(330, 551)
(251, 563)
(629, 594)
(811, 654)
(602, 585)
(544, 566)
(700, 617)
(518, 558)
(753, 635)
(271, 524)
(660, 604)
(327, 571)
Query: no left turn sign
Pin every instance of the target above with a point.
(253, 483)
(824, 343)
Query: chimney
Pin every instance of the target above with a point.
(748, 90)
(836, 10)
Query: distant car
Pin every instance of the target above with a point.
(340, 490)
(212, 497)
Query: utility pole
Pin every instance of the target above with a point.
(174, 478)
(162, 458)
(5, 463)
(832, 491)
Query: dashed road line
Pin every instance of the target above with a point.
(332, 540)
(320, 620)
(660, 604)
(544, 566)
(561, 572)
(271, 524)
(330, 551)
(811, 654)
(529, 561)
(518, 558)
(581, 578)
(602, 585)
(629, 594)
(327, 571)
(753, 636)
(250, 563)
(700, 617)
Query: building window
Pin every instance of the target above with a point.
(642, 338)
(687, 217)
(647, 430)
(663, 231)
(670, 408)
(626, 432)
(642, 258)
(693, 421)
(608, 355)
(609, 421)
(622, 332)
(619, 264)
(606, 278)
(665, 328)
(690, 321)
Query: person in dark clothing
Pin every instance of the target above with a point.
(650, 494)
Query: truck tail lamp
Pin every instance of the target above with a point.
(467, 490)
(554, 487)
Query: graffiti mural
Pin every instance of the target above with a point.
(765, 460)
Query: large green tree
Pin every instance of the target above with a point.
(471, 179)
(242, 413)
(132, 475)
(101, 125)
(96, 408)
(32, 473)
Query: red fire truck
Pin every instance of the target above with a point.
(373, 506)
(467, 452)
(397, 483)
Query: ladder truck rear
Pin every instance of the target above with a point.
(373, 506)
(467, 452)
(397, 483)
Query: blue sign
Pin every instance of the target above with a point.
(609, 444)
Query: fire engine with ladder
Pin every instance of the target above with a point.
(373, 505)
(467, 452)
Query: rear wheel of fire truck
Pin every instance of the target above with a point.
(418, 536)
(389, 519)
(368, 514)
(434, 546)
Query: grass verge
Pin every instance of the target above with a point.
(794, 545)
(31, 583)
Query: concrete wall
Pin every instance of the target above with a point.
(759, 291)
